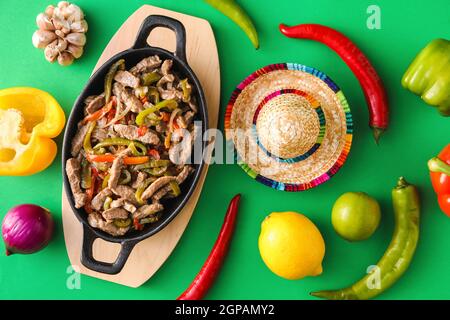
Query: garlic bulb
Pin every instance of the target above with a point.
(61, 33)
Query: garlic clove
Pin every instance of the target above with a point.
(62, 45)
(61, 24)
(63, 4)
(41, 38)
(49, 11)
(51, 52)
(44, 23)
(65, 58)
(78, 39)
(76, 51)
(79, 26)
(74, 13)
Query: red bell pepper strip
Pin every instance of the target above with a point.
(205, 278)
(154, 154)
(142, 130)
(440, 178)
(371, 83)
(99, 113)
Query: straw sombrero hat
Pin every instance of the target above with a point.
(290, 126)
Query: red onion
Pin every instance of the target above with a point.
(27, 228)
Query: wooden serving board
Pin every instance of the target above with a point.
(149, 255)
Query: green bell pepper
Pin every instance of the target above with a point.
(429, 75)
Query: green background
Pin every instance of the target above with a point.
(416, 133)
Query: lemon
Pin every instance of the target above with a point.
(291, 245)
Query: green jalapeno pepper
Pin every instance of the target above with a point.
(429, 75)
(141, 117)
(398, 255)
(118, 65)
(123, 142)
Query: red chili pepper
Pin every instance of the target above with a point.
(205, 278)
(440, 178)
(142, 130)
(362, 68)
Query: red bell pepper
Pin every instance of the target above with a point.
(440, 178)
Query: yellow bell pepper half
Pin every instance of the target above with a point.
(29, 119)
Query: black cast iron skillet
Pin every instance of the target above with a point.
(95, 86)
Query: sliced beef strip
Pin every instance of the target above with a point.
(115, 213)
(132, 133)
(126, 192)
(73, 170)
(99, 199)
(77, 142)
(166, 67)
(95, 220)
(181, 177)
(127, 79)
(114, 172)
(193, 106)
(95, 104)
(125, 204)
(99, 134)
(189, 117)
(161, 127)
(146, 64)
(129, 99)
(140, 178)
(147, 210)
(170, 94)
(179, 153)
(155, 186)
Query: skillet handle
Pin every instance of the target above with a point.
(154, 21)
(87, 258)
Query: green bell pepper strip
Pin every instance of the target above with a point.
(186, 88)
(153, 164)
(175, 188)
(153, 92)
(123, 142)
(399, 254)
(233, 11)
(170, 104)
(122, 223)
(107, 203)
(127, 177)
(150, 78)
(429, 75)
(109, 78)
(105, 181)
(86, 174)
(141, 189)
(87, 138)
(156, 172)
(151, 219)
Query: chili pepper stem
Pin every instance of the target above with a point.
(8, 253)
(401, 183)
(437, 165)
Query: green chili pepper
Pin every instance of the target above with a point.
(153, 92)
(153, 164)
(156, 172)
(123, 142)
(105, 181)
(141, 189)
(86, 175)
(186, 88)
(233, 11)
(109, 78)
(150, 78)
(175, 188)
(87, 138)
(398, 255)
(150, 219)
(170, 104)
(429, 75)
(127, 177)
(122, 223)
(107, 203)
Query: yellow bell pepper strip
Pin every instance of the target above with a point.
(29, 119)
(87, 146)
(429, 75)
(186, 88)
(105, 181)
(170, 104)
(234, 11)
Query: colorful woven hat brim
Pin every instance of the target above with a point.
(290, 162)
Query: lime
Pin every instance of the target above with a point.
(355, 216)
